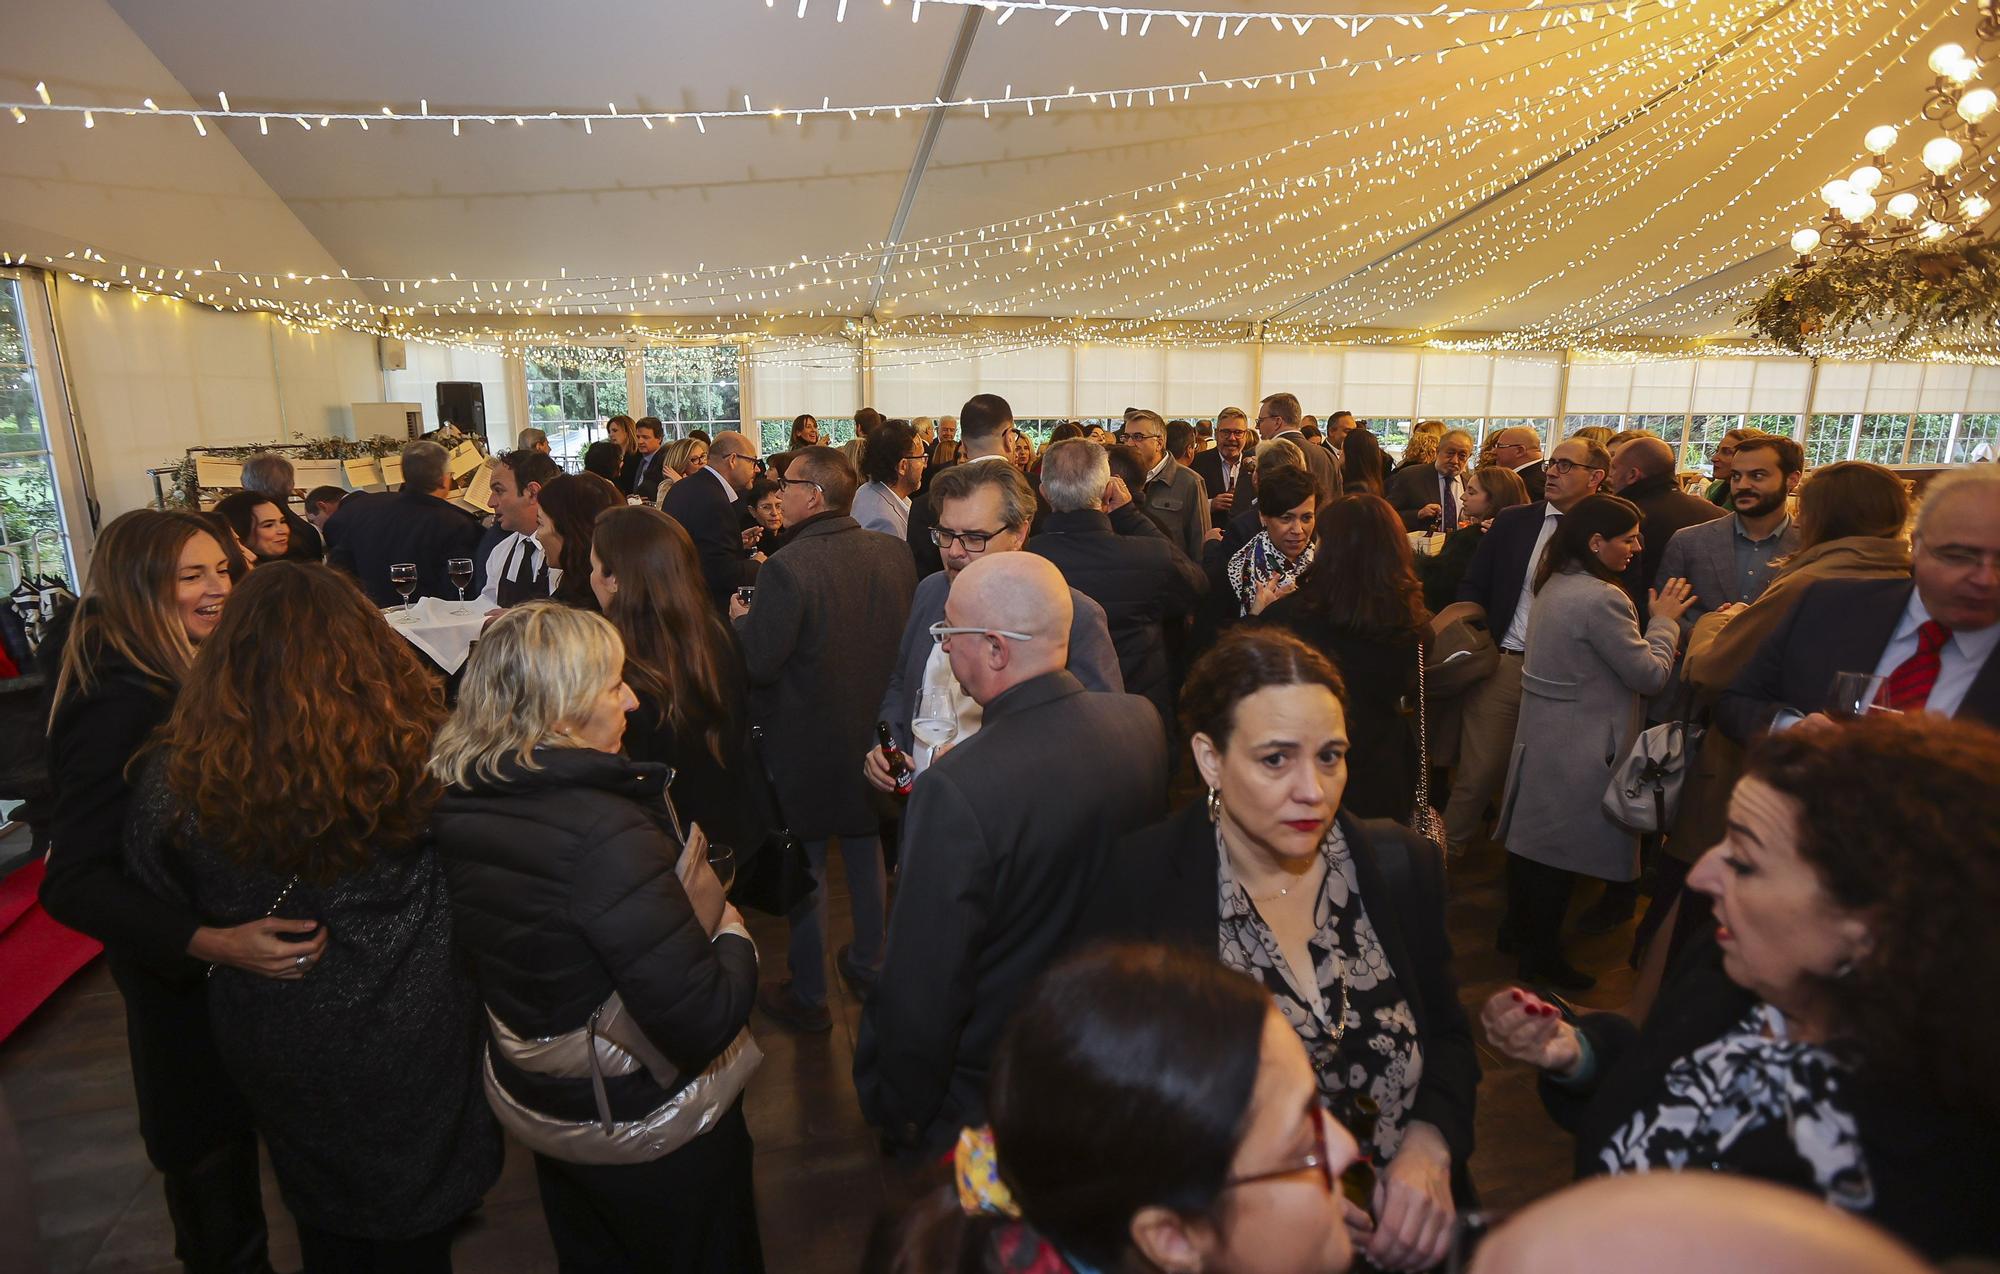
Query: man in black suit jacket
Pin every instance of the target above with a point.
(1360, 452)
(1279, 417)
(1001, 841)
(649, 437)
(1222, 468)
(1432, 496)
(1948, 615)
(1520, 449)
(1119, 560)
(372, 531)
(986, 425)
(708, 505)
(1642, 471)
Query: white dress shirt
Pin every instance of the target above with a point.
(1517, 631)
(502, 557)
(939, 676)
(1959, 660)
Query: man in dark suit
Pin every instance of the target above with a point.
(1221, 467)
(650, 437)
(1432, 496)
(271, 475)
(1360, 452)
(1498, 590)
(1642, 471)
(1279, 417)
(1108, 549)
(1520, 449)
(1002, 840)
(986, 425)
(708, 505)
(819, 642)
(373, 531)
(1931, 639)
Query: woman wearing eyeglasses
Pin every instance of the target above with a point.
(1340, 919)
(1150, 1111)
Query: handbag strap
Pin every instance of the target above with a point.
(770, 780)
(1423, 735)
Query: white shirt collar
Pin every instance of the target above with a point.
(1973, 644)
(1159, 468)
(726, 488)
(1531, 464)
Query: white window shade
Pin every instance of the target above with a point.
(1779, 385)
(820, 382)
(1895, 387)
(1842, 387)
(1201, 382)
(1110, 378)
(1378, 383)
(1663, 388)
(918, 382)
(1312, 373)
(1034, 381)
(1599, 388)
(1454, 384)
(1984, 392)
(1945, 386)
(1525, 386)
(1723, 385)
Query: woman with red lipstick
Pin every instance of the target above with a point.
(1341, 919)
(1840, 1031)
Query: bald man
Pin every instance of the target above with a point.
(1520, 449)
(1001, 842)
(1674, 1222)
(1642, 471)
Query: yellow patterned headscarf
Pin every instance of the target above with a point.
(976, 1166)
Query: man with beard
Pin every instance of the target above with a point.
(1730, 561)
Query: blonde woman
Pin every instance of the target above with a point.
(683, 457)
(618, 429)
(1423, 446)
(617, 978)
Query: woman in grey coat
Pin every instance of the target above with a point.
(1586, 676)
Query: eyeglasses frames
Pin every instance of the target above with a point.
(942, 633)
(972, 541)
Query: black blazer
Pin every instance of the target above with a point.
(372, 531)
(1381, 677)
(715, 524)
(1500, 565)
(307, 545)
(1839, 625)
(1535, 477)
(1158, 885)
(1411, 489)
(1931, 1169)
(1208, 467)
(652, 471)
(630, 469)
(1663, 510)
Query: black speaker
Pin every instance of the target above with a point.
(462, 403)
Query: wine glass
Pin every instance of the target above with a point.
(460, 570)
(403, 576)
(1852, 695)
(936, 720)
(722, 861)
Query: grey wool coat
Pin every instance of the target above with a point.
(819, 644)
(1584, 681)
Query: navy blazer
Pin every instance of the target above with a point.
(372, 531)
(1158, 885)
(1500, 567)
(715, 524)
(1207, 466)
(1839, 625)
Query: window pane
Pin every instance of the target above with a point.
(1572, 423)
(20, 418)
(1928, 439)
(28, 500)
(1828, 438)
(1785, 426)
(1978, 438)
(1881, 438)
(1393, 434)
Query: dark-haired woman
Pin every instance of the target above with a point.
(683, 668)
(1340, 919)
(1150, 1111)
(1588, 670)
(1360, 603)
(258, 523)
(290, 782)
(1839, 1030)
(157, 585)
(766, 509)
(565, 518)
(619, 429)
(1488, 491)
(1287, 508)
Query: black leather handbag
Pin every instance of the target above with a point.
(778, 878)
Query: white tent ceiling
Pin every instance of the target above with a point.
(1634, 169)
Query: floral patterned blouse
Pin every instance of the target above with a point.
(1375, 1050)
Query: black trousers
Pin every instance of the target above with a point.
(1537, 901)
(690, 1212)
(327, 1253)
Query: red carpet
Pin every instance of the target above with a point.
(37, 955)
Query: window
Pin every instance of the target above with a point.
(30, 518)
(1929, 437)
(572, 391)
(1540, 424)
(1573, 423)
(1393, 435)
(694, 387)
(774, 433)
(1785, 426)
(1829, 439)
(1978, 438)
(1703, 433)
(1881, 438)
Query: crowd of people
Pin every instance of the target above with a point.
(1131, 783)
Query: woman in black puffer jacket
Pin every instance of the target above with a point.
(617, 985)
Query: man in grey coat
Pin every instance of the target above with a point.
(993, 506)
(1002, 843)
(819, 641)
(1173, 495)
(1732, 560)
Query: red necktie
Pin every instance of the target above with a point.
(1909, 686)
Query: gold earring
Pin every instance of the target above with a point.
(1215, 805)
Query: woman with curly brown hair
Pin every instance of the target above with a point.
(1840, 1030)
(290, 782)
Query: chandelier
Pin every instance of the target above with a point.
(1901, 243)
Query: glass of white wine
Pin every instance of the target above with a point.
(936, 720)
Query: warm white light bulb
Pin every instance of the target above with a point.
(1963, 71)
(1976, 207)
(1943, 56)
(1858, 208)
(1880, 138)
(1936, 230)
(1866, 179)
(1903, 206)
(1837, 192)
(1941, 155)
(1977, 105)
(1805, 241)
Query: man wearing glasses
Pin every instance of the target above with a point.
(1002, 842)
(982, 511)
(1499, 589)
(893, 462)
(708, 506)
(1431, 496)
(986, 428)
(1279, 417)
(1172, 496)
(1222, 467)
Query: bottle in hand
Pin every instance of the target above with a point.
(899, 766)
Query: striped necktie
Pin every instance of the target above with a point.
(1909, 686)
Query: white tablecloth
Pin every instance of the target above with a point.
(435, 627)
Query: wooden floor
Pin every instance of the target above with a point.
(76, 1192)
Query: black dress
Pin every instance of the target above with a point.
(364, 1074)
(727, 801)
(1381, 677)
(1445, 570)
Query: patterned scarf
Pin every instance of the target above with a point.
(1260, 560)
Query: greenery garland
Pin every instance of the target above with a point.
(1925, 295)
(185, 490)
